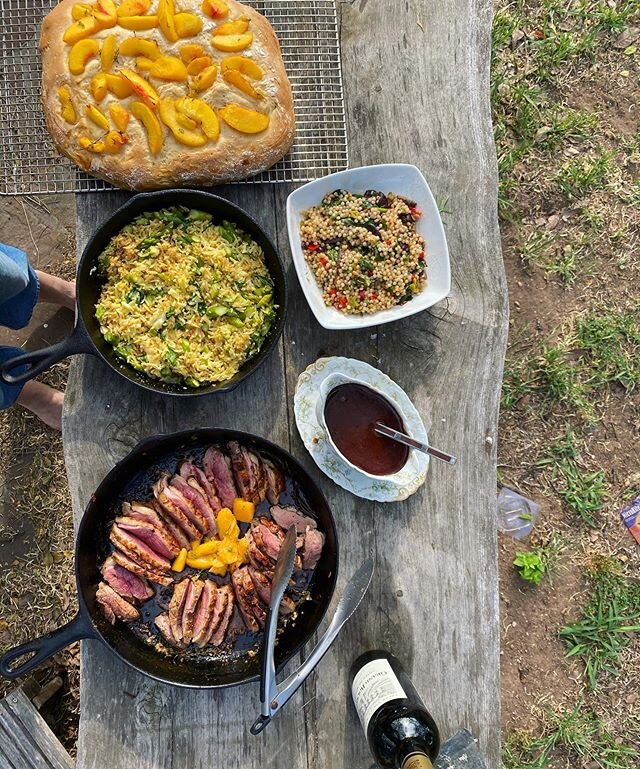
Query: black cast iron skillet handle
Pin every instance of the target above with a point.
(45, 647)
(41, 360)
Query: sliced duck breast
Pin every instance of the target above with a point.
(217, 468)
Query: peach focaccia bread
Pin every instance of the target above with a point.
(157, 93)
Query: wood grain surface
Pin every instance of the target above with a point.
(417, 90)
(26, 741)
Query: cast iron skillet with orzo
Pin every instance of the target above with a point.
(87, 336)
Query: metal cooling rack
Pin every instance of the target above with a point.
(308, 33)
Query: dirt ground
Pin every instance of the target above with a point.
(571, 244)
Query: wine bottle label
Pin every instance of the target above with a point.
(417, 761)
(374, 685)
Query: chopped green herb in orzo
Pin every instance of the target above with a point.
(364, 250)
(185, 300)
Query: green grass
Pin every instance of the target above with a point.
(582, 492)
(572, 738)
(599, 349)
(607, 622)
(566, 262)
(578, 176)
(533, 49)
(541, 560)
(567, 125)
(611, 342)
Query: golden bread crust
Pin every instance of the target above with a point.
(232, 157)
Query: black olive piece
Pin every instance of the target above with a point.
(372, 228)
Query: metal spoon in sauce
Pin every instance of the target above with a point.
(407, 440)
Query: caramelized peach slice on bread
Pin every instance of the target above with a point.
(81, 53)
(168, 68)
(141, 87)
(191, 51)
(108, 52)
(169, 116)
(151, 124)
(243, 64)
(246, 121)
(215, 9)
(232, 42)
(202, 113)
(119, 115)
(235, 78)
(134, 7)
(205, 78)
(68, 109)
(235, 27)
(187, 24)
(138, 23)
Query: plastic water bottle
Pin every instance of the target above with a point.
(516, 514)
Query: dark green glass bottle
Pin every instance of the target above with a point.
(400, 731)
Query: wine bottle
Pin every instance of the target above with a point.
(400, 732)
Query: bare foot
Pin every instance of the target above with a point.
(44, 402)
(56, 290)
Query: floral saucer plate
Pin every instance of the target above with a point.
(393, 488)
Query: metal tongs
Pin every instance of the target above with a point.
(272, 697)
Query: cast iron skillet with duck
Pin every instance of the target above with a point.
(86, 336)
(132, 478)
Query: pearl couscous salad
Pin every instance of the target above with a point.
(364, 250)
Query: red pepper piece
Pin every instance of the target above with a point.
(312, 247)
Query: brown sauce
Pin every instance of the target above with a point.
(350, 413)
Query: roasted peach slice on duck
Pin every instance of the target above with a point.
(232, 42)
(68, 110)
(169, 117)
(169, 68)
(236, 78)
(215, 9)
(138, 23)
(246, 121)
(151, 124)
(141, 87)
(244, 64)
(203, 114)
(81, 53)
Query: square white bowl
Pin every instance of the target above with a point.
(401, 179)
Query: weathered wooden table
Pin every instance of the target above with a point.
(417, 89)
